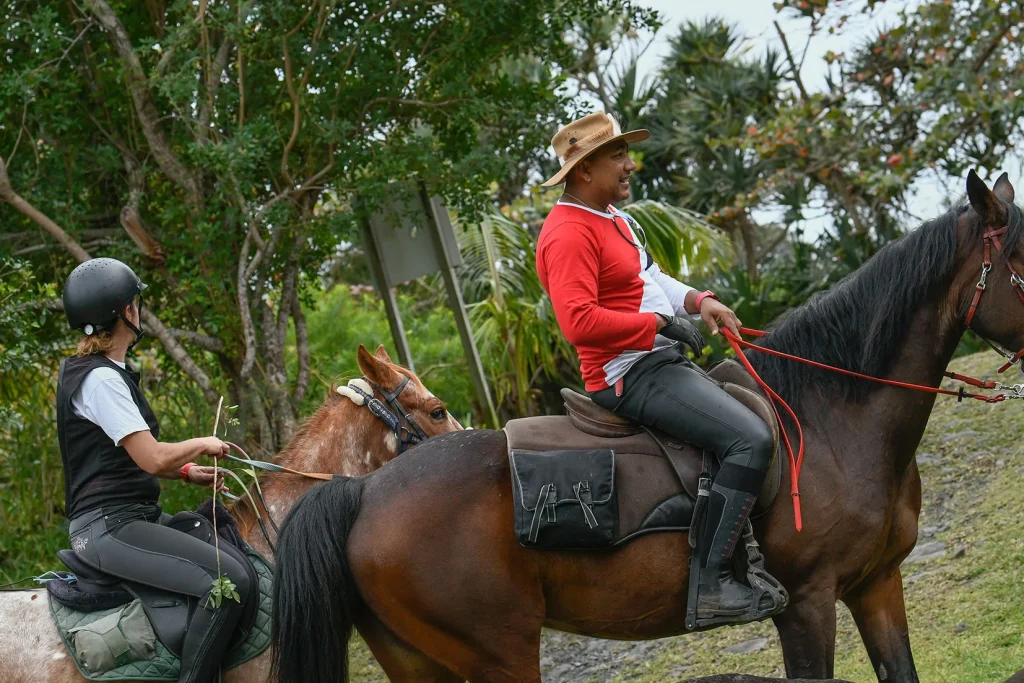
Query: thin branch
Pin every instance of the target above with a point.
(21, 129)
(793, 68)
(145, 108)
(220, 63)
(89, 234)
(302, 346)
(23, 207)
(203, 341)
(179, 354)
(43, 247)
(989, 49)
(242, 292)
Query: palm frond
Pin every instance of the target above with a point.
(679, 239)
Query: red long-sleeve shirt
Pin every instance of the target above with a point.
(605, 289)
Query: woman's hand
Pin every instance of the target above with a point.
(715, 313)
(202, 475)
(212, 446)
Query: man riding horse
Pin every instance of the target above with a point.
(626, 319)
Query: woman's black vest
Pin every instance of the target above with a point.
(96, 472)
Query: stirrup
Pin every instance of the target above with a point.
(761, 584)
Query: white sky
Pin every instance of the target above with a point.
(753, 18)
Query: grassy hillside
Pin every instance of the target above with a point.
(965, 597)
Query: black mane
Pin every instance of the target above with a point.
(860, 324)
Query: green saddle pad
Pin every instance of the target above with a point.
(164, 665)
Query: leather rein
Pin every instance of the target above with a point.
(796, 460)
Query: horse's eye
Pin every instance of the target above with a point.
(439, 414)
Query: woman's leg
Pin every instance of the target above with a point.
(158, 556)
(672, 396)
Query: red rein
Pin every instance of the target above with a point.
(796, 461)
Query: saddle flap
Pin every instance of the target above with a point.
(591, 418)
(168, 613)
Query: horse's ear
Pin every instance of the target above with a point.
(984, 201)
(374, 369)
(1003, 189)
(382, 354)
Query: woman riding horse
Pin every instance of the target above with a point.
(625, 317)
(112, 459)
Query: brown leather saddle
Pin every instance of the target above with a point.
(656, 475)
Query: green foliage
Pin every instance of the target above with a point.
(343, 318)
(236, 138)
(22, 338)
(222, 588)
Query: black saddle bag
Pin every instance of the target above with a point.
(565, 499)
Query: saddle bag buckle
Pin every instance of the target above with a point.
(583, 497)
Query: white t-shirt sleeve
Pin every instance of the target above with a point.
(105, 400)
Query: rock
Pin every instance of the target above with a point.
(927, 531)
(923, 458)
(1000, 463)
(926, 551)
(960, 628)
(747, 647)
(958, 435)
(959, 552)
(559, 673)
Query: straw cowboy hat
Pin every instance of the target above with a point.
(581, 137)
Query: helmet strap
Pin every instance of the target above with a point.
(138, 331)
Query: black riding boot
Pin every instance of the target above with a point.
(206, 641)
(719, 593)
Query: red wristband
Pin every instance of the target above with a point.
(184, 470)
(704, 295)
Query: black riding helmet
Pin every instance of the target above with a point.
(96, 294)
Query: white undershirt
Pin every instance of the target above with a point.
(104, 399)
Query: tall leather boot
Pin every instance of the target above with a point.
(206, 641)
(720, 596)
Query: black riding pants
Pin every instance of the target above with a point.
(126, 542)
(665, 391)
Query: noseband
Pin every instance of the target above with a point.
(992, 237)
(393, 414)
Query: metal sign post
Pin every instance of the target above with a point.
(409, 237)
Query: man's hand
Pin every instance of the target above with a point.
(681, 329)
(715, 313)
(202, 475)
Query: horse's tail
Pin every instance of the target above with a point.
(314, 593)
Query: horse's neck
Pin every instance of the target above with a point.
(898, 417)
(348, 441)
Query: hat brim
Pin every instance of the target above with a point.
(630, 136)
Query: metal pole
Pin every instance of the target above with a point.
(390, 302)
(451, 285)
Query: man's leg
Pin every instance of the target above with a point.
(675, 398)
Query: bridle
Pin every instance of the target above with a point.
(1016, 281)
(393, 414)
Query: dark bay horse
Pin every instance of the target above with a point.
(421, 556)
(339, 438)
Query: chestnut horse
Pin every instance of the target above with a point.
(339, 438)
(421, 556)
